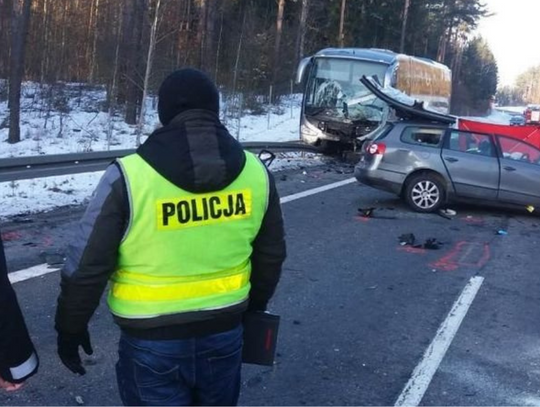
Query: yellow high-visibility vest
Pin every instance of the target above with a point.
(186, 252)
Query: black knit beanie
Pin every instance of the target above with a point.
(186, 89)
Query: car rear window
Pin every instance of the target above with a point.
(423, 136)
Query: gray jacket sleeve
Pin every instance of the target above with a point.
(269, 253)
(92, 253)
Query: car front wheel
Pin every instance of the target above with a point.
(425, 193)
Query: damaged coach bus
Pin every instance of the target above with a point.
(337, 107)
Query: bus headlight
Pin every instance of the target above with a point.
(307, 131)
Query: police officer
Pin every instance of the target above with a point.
(190, 234)
(18, 359)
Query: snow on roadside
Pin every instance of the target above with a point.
(74, 122)
(43, 194)
(81, 126)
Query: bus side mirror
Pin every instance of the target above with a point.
(302, 68)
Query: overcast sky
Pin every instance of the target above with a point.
(513, 35)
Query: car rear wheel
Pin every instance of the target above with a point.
(425, 193)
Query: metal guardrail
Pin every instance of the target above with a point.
(14, 169)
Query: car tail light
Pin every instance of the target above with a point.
(377, 148)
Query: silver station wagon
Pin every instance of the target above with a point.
(429, 164)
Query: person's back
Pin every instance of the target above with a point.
(201, 241)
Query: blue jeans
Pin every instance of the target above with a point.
(197, 371)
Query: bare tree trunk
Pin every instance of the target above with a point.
(238, 52)
(277, 43)
(210, 37)
(133, 80)
(112, 90)
(63, 63)
(44, 68)
(216, 71)
(441, 51)
(148, 71)
(89, 30)
(341, 39)
(201, 31)
(301, 37)
(404, 25)
(94, 43)
(20, 18)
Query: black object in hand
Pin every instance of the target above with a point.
(260, 338)
(68, 350)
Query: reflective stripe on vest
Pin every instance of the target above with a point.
(186, 252)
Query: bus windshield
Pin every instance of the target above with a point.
(334, 90)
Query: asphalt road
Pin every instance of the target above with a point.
(359, 311)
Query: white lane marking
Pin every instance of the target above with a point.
(417, 385)
(31, 272)
(318, 190)
(43, 269)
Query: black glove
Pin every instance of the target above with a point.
(68, 350)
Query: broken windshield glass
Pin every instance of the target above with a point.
(335, 90)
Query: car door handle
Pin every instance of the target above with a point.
(451, 159)
(507, 168)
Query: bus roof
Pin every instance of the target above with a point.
(374, 54)
(382, 55)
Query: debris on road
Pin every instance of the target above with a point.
(21, 219)
(502, 232)
(447, 213)
(432, 244)
(366, 213)
(530, 208)
(370, 213)
(407, 239)
(79, 400)
(52, 258)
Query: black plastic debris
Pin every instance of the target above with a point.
(407, 239)
(432, 244)
(370, 213)
(366, 213)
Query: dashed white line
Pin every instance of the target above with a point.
(417, 385)
(27, 274)
(43, 269)
(318, 190)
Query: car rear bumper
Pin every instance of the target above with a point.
(377, 178)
